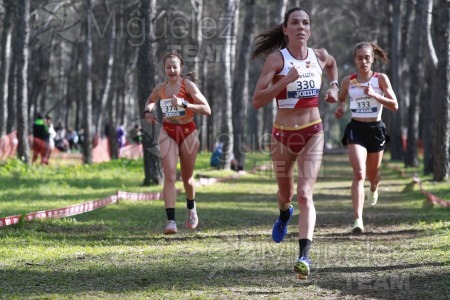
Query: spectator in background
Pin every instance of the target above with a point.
(121, 137)
(216, 155)
(72, 138)
(60, 140)
(81, 138)
(40, 139)
(60, 130)
(51, 136)
(136, 134)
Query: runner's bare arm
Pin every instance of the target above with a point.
(200, 104)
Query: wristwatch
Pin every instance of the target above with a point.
(185, 103)
(336, 82)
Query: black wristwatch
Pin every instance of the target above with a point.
(185, 103)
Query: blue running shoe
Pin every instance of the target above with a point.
(280, 227)
(301, 267)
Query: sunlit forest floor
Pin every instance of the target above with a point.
(119, 252)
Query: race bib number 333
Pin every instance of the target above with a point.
(364, 105)
(170, 110)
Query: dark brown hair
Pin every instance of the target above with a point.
(190, 74)
(378, 52)
(274, 38)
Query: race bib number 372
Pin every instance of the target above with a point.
(170, 110)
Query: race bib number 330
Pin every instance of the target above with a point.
(305, 88)
(170, 110)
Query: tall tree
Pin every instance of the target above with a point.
(87, 82)
(22, 42)
(39, 73)
(441, 99)
(427, 109)
(427, 121)
(240, 86)
(231, 18)
(201, 120)
(276, 18)
(65, 56)
(417, 75)
(407, 20)
(108, 81)
(146, 81)
(5, 52)
(276, 11)
(11, 97)
(394, 119)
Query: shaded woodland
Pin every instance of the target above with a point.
(91, 64)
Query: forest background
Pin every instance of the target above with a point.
(91, 64)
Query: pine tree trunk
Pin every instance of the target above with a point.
(64, 74)
(441, 100)
(240, 87)
(108, 81)
(416, 71)
(394, 119)
(200, 120)
(230, 18)
(146, 81)
(22, 41)
(11, 99)
(4, 63)
(87, 104)
(427, 121)
(427, 109)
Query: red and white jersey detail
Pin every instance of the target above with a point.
(304, 92)
(361, 105)
(173, 111)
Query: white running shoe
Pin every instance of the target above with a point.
(373, 197)
(171, 227)
(192, 219)
(358, 227)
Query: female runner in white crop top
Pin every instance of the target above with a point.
(365, 135)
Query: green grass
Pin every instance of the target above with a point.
(119, 252)
(439, 189)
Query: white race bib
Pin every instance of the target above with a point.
(364, 105)
(306, 86)
(170, 110)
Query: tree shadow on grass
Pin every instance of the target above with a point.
(144, 221)
(428, 280)
(64, 182)
(373, 235)
(411, 281)
(216, 268)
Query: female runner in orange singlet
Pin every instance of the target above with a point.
(179, 99)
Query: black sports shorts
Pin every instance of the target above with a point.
(370, 135)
